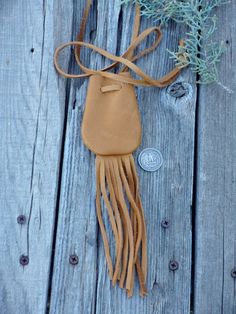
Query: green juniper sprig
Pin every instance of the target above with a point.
(198, 16)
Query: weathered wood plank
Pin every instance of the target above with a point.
(216, 175)
(31, 123)
(168, 124)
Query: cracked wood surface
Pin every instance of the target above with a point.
(31, 122)
(215, 256)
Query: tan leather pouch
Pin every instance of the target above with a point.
(111, 128)
(111, 121)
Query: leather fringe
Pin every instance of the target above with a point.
(117, 183)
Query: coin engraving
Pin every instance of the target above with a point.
(150, 159)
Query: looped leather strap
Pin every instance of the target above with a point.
(126, 59)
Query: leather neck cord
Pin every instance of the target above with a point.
(111, 128)
(127, 58)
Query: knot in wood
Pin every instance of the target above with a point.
(178, 90)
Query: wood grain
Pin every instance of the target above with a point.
(31, 122)
(216, 174)
(168, 125)
(35, 136)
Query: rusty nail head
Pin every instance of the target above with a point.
(165, 223)
(233, 272)
(173, 265)
(24, 260)
(74, 260)
(21, 219)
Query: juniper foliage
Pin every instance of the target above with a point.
(201, 22)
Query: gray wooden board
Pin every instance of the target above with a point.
(31, 120)
(216, 176)
(168, 125)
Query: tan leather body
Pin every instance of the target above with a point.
(111, 122)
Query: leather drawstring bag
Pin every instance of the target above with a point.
(111, 129)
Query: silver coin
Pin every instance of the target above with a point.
(150, 159)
